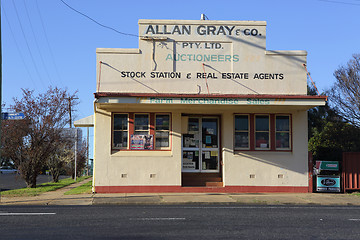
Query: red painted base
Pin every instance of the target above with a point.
(179, 189)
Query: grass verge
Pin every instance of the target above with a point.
(85, 188)
(42, 188)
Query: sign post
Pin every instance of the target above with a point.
(12, 116)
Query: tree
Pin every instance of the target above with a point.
(345, 93)
(56, 162)
(29, 143)
(334, 128)
(80, 162)
(334, 138)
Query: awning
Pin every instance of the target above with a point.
(85, 122)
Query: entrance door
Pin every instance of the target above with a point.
(200, 145)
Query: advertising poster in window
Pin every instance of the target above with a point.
(142, 142)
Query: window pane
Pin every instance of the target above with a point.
(141, 122)
(162, 139)
(120, 139)
(120, 122)
(262, 123)
(193, 125)
(241, 140)
(162, 122)
(282, 140)
(241, 123)
(141, 133)
(190, 160)
(209, 161)
(209, 132)
(262, 139)
(282, 123)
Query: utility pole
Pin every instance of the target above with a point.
(76, 135)
(76, 143)
(70, 102)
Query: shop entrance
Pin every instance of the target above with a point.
(200, 152)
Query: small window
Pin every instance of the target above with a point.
(120, 137)
(242, 132)
(162, 130)
(282, 132)
(262, 132)
(141, 124)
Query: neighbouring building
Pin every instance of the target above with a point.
(201, 106)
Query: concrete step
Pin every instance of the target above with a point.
(214, 184)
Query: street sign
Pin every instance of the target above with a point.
(12, 116)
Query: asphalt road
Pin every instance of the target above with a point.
(14, 181)
(180, 222)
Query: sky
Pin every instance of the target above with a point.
(45, 43)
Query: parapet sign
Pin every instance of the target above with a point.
(201, 57)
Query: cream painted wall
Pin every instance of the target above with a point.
(166, 165)
(156, 54)
(267, 166)
(136, 165)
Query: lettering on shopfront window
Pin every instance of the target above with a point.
(201, 101)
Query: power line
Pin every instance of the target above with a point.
(27, 44)
(36, 43)
(18, 48)
(102, 25)
(47, 42)
(340, 2)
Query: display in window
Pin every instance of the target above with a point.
(190, 160)
(189, 140)
(209, 161)
(209, 133)
(142, 142)
(262, 140)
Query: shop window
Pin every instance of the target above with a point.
(270, 132)
(282, 132)
(120, 136)
(162, 130)
(141, 131)
(242, 132)
(262, 132)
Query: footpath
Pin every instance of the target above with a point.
(58, 198)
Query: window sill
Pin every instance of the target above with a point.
(141, 153)
(263, 151)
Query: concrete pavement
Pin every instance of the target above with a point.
(58, 198)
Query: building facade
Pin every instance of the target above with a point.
(201, 106)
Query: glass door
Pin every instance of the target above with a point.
(200, 145)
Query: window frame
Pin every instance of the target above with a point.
(262, 131)
(272, 133)
(113, 131)
(247, 131)
(289, 132)
(169, 131)
(131, 130)
(148, 125)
